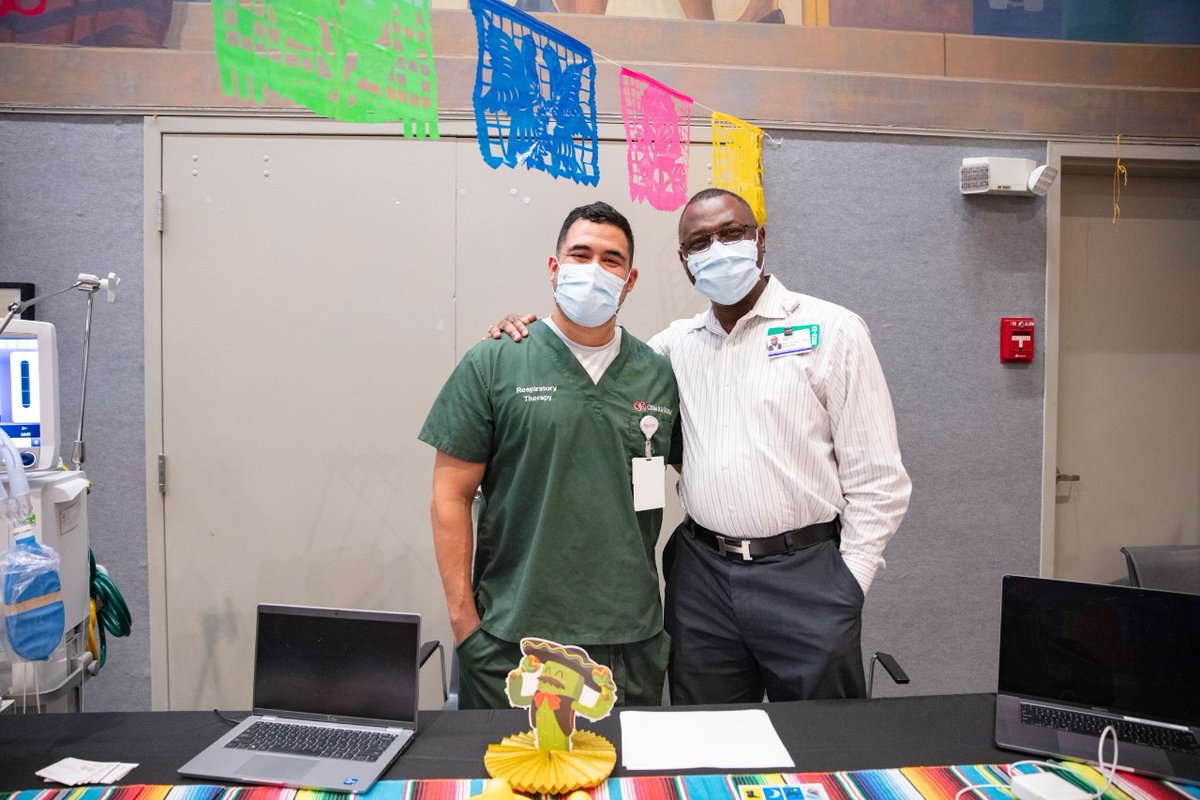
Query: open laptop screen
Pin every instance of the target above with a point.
(337, 664)
(1118, 648)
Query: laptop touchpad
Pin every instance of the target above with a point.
(277, 768)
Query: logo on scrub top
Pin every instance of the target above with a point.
(641, 406)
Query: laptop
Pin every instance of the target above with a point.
(335, 700)
(1075, 657)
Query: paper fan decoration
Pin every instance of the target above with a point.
(529, 768)
(557, 683)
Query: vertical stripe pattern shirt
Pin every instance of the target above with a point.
(777, 436)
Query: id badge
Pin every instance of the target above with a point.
(791, 339)
(649, 483)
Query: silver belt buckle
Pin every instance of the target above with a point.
(742, 547)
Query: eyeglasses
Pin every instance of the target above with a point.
(727, 235)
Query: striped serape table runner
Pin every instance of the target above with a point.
(908, 783)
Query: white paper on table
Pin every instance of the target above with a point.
(73, 771)
(116, 772)
(77, 772)
(669, 740)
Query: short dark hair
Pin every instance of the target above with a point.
(600, 213)
(706, 194)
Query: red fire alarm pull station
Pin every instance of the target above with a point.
(1016, 340)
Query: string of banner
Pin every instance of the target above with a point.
(534, 96)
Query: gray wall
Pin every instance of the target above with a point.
(875, 223)
(71, 202)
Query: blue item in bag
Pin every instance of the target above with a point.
(34, 617)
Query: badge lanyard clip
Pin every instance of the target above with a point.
(649, 426)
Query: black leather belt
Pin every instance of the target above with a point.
(750, 549)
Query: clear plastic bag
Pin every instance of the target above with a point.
(34, 617)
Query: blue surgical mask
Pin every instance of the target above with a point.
(588, 293)
(725, 273)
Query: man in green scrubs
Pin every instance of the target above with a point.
(550, 429)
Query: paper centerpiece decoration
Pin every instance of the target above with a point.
(658, 131)
(556, 683)
(737, 160)
(534, 95)
(356, 62)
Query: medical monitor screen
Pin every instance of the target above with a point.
(29, 391)
(20, 403)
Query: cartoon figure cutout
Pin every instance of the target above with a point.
(556, 682)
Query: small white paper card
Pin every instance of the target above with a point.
(73, 771)
(115, 773)
(671, 740)
(77, 772)
(649, 483)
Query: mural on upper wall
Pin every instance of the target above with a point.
(144, 23)
(104, 23)
(795, 12)
(16, 7)
(1132, 21)
(1141, 21)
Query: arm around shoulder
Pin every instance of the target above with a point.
(661, 342)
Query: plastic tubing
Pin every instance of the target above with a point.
(17, 481)
(19, 505)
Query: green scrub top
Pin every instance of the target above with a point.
(560, 553)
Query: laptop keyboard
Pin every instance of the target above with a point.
(1127, 732)
(313, 740)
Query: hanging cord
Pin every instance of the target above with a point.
(603, 57)
(696, 103)
(112, 614)
(93, 642)
(1120, 178)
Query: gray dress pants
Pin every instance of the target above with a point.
(787, 626)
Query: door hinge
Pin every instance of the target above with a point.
(162, 473)
(158, 211)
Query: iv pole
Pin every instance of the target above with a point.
(89, 284)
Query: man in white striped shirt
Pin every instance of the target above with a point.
(792, 477)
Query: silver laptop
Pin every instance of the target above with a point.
(335, 700)
(1075, 657)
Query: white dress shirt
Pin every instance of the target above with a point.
(776, 443)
